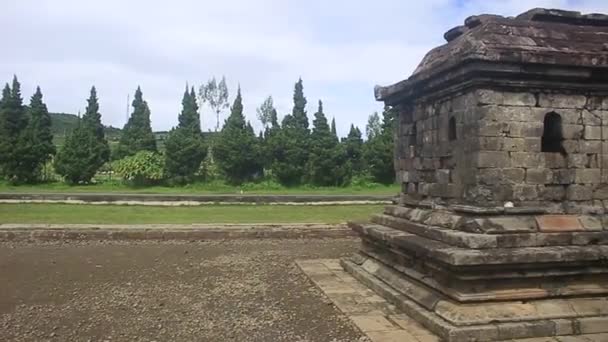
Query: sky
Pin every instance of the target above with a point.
(340, 48)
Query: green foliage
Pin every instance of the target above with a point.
(378, 151)
(215, 95)
(236, 149)
(137, 134)
(85, 149)
(91, 121)
(184, 148)
(353, 144)
(289, 146)
(35, 144)
(143, 168)
(327, 163)
(75, 160)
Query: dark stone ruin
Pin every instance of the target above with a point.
(502, 153)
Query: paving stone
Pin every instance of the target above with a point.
(369, 323)
(392, 336)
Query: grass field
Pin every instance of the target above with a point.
(114, 214)
(204, 188)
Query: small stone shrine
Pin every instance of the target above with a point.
(502, 152)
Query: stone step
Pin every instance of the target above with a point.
(422, 247)
(484, 241)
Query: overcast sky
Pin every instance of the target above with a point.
(340, 48)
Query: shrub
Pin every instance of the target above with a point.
(143, 168)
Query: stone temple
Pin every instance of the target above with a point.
(501, 230)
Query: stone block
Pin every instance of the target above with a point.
(403, 176)
(527, 159)
(539, 176)
(368, 323)
(558, 223)
(555, 160)
(562, 101)
(443, 176)
(492, 159)
(593, 325)
(592, 133)
(518, 99)
(590, 146)
(578, 192)
(578, 160)
(525, 129)
(591, 118)
(501, 176)
(553, 192)
(587, 176)
(590, 222)
(601, 192)
(525, 192)
(573, 131)
(488, 96)
(532, 144)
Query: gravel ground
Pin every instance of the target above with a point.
(240, 290)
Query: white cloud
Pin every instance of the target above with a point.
(340, 48)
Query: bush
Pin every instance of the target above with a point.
(143, 168)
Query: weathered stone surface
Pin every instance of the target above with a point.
(558, 223)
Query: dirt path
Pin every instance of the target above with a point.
(247, 290)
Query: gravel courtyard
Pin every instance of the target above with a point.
(239, 290)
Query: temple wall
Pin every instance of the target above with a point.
(496, 155)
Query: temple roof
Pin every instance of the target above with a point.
(539, 36)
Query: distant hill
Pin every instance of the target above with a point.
(62, 124)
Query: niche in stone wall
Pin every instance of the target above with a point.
(452, 129)
(553, 136)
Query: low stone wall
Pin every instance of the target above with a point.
(191, 200)
(162, 232)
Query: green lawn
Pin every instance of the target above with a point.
(205, 188)
(114, 214)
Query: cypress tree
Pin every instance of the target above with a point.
(290, 147)
(327, 163)
(236, 150)
(74, 159)
(14, 122)
(91, 120)
(35, 145)
(334, 133)
(184, 148)
(137, 133)
(354, 149)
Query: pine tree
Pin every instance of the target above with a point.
(137, 134)
(91, 120)
(184, 148)
(327, 164)
(334, 133)
(13, 124)
(378, 150)
(236, 150)
(35, 145)
(74, 159)
(354, 149)
(290, 145)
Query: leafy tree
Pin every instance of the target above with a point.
(266, 111)
(137, 134)
(327, 164)
(143, 168)
(236, 150)
(13, 122)
(35, 145)
(374, 127)
(354, 149)
(91, 121)
(378, 150)
(289, 148)
(184, 148)
(216, 96)
(75, 157)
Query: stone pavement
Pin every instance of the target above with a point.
(377, 318)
